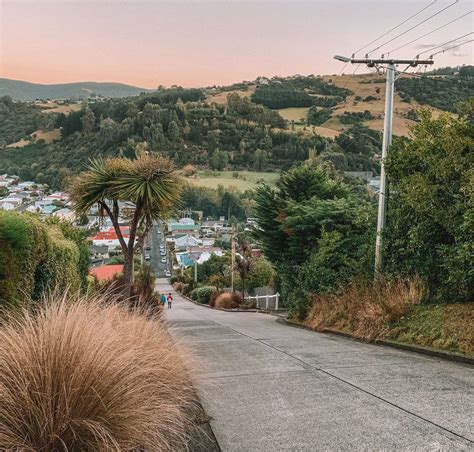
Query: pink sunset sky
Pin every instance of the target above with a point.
(200, 43)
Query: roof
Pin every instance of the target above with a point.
(105, 272)
(183, 227)
(110, 234)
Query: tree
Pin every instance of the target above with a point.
(430, 216)
(173, 131)
(260, 160)
(244, 263)
(149, 182)
(219, 160)
(88, 121)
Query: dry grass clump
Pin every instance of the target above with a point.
(84, 375)
(365, 309)
(225, 300)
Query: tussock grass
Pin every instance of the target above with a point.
(86, 375)
(365, 309)
(225, 300)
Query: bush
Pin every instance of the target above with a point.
(37, 256)
(203, 294)
(178, 286)
(225, 300)
(94, 376)
(173, 279)
(365, 309)
(186, 289)
(189, 170)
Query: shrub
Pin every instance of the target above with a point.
(173, 279)
(189, 170)
(94, 376)
(225, 300)
(178, 286)
(203, 294)
(186, 289)
(365, 309)
(36, 256)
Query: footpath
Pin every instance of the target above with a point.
(270, 387)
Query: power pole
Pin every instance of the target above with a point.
(387, 138)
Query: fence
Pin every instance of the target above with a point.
(265, 301)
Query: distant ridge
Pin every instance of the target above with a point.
(21, 90)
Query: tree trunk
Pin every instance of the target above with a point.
(128, 271)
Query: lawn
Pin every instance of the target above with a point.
(245, 180)
(294, 114)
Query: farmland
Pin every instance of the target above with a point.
(240, 180)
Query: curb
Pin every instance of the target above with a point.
(449, 356)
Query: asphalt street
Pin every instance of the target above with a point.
(271, 387)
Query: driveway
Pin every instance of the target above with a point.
(272, 387)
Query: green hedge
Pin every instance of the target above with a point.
(36, 256)
(203, 294)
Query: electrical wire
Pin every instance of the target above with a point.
(394, 28)
(452, 47)
(413, 27)
(427, 34)
(444, 43)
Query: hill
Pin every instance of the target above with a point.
(26, 91)
(266, 125)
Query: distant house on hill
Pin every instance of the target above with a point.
(186, 241)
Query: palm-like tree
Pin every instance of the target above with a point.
(150, 182)
(244, 263)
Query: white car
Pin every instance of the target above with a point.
(167, 273)
(162, 246)
(163, 252)
(147, 257)
(163, 260)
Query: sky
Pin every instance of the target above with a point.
(201, 43)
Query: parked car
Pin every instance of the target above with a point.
(167, 273)
(148, 247)
(163, 260)
(163, 252)
(147, 257)
(162, 246)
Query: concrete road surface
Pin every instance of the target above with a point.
(272, 387)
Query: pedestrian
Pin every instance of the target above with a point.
(163, 299)
(169, 299)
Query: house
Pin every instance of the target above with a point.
(106, 272)
(186, 241)
(189, 228)
(109, 237)
(10, 203)
(65, 214)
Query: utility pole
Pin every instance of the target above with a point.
(232, 260)
(387, 137)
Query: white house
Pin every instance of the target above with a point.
(187, 241)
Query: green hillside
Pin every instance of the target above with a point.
(20, 90)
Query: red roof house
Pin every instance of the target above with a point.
(106, 272)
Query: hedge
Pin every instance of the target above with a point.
(203, 294)
(35, 256)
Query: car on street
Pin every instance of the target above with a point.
(162, 246)
(163, 252)
(167, 273)
(147, 257)
(148, 247)
(163, 260)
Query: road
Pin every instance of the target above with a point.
(154, 240)
(272, 387)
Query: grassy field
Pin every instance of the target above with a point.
(47, 136)
(246, 180)
(294, 114)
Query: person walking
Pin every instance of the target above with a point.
(169, 299)
(163, 300)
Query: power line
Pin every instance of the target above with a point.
(444, 43)
(394, 28)
(427, 34)
(452, 47)
(413, 27)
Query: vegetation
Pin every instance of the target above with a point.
(297, 92)
(318, 116)
(37, 257)
(431, 205)
(203, 294)
(441, 92)
(315, 231)
(149, 182)
(353, 117)
(19, 119)
(365, 310)
(444, 326)
(94, 376)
